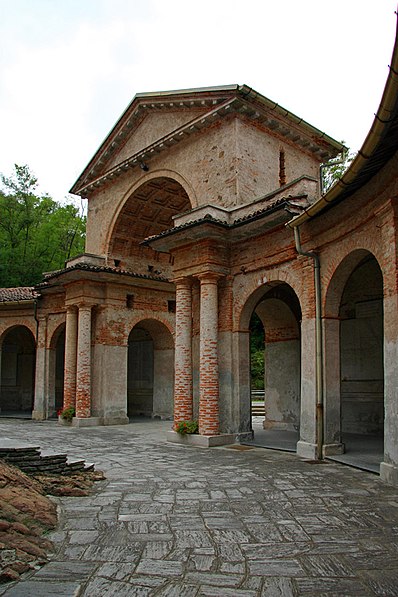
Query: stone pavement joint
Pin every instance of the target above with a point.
(178, 521)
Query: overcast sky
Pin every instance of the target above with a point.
(68, 68)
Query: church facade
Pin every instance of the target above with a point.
(205, 207)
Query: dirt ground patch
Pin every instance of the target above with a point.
(27, 513)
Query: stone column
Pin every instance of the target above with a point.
(40, 406)
(208, 367)
(83, 369)
(70, 357)
(183, 402)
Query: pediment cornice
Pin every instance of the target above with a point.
(215, 104)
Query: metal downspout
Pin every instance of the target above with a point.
(318, 341)
(36, 319)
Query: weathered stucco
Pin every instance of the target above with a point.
(162, 328)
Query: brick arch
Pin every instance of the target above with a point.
(56, 334)
(28, 326)
(256, 291)
(17, 381)
(277, 305)
(150, 369)
(159, 331)
(339, 277)
(145, 210)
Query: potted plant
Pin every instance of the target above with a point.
(187, 427)
(66, 415)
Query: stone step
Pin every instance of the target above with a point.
(32, 461)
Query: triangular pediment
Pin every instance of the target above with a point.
(154, 126)
(154, 122)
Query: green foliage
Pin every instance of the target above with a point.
(335, 168)
(257, 346)
(37, 234)
(187, 427)
(67, 413)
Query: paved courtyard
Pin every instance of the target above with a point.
(176, 521)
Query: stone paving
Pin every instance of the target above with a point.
(177, 521)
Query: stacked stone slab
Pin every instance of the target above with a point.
(31, 460)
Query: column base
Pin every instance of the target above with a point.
(38, 415)
(389, 473)
(306, 450)
(333, 449)
(201, 441)
(87, 421)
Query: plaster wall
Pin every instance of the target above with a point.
(282, 385)
(153, 127)
(163, 383)
(223, 165)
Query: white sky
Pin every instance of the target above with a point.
(68, 68)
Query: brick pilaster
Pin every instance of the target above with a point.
(208, 366)
(183, 405)
(70, 357)
(83, 371)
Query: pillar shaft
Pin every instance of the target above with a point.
(70, 358)
(183, 403)
(208, 385)
(83, 370)
(40, 407)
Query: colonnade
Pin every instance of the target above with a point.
(77, 375)
(209, 422)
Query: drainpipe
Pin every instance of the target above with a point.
(36, 319)
(318, 341)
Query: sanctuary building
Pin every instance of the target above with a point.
(204, 207)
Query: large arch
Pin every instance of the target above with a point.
(147, 211)
(354, 362)
(18, 356)
(150, 370)
(278, 307)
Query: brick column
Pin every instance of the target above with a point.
(183, 404)
(208, 366)
(83, 370)
(70, 357)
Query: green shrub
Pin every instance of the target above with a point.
(187, 427)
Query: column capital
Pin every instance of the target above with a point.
(209, 277)
(71, 308)
(182, 281)
(85, 306)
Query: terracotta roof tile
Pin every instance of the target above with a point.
(23, 293)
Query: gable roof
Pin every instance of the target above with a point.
(216, 103)
(378, 148)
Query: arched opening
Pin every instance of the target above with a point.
(277, 307)
(361, 360)
(147, 212)
(150, 371)
(18, 355)
(354, 361)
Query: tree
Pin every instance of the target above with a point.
(333, 170)
(37, 234)
(257, 347)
